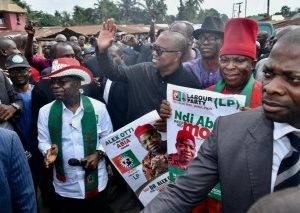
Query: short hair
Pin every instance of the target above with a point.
(60, 38)
(20, 41)
(53, 49)
(4, 42)
(291, 37)
(189, 29)
(179, 40)
(284, 201)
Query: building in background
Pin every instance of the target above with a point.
(12, 17)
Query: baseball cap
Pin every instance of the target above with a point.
(16, 60)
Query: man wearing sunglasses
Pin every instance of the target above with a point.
(147, 81)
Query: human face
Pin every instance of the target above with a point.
(81, 41)
(46, 49)
(35, 46)
(186, 151)
(281, 84)
(209, 45)
(170, 55)
(19, 76)
(151, 141)
(64, 88)
(235, 70)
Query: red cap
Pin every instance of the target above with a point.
(240, 37)
(142, 129)
(183, 135)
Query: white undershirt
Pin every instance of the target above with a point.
(281, 147)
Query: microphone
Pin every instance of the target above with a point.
(76, 162)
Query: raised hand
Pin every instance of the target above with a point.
(30, 28)
(51, 155)
(106, 35)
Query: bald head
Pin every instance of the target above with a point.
(177, 40)
(7, 48)
(185, 28)
(60, 38)
(290, 38)
(62, 49)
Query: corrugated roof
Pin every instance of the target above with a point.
(82, 30)
(286, 23)
(8, 6)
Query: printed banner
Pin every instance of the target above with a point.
(139, 153)
(193, 115)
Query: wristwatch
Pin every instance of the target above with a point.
(16, 106)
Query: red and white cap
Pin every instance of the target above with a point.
(70, 67)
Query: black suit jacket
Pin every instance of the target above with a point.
(239, 154)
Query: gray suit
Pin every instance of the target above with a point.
(239, 154)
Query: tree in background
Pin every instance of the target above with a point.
(207, 12)
(107, 9)
(189, 9)
(156, 10)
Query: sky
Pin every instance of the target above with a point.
(223, 6)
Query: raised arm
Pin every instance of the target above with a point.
(28, 48)
(105, 39)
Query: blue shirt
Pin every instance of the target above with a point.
(23, 123)
(206, 78)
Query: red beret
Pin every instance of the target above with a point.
(142, 129)
(183, 135)
(240, 37)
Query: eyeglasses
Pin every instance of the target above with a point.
(236, 60)
(159, 50)
(208, 38)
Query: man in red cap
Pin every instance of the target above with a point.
(155, 162)
(186, 149)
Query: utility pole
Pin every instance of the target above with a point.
(245, 8)
(239, 11)
(268, 8)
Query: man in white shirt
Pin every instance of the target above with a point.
(252, 153)
(69, 130)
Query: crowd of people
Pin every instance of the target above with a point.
(60, 97)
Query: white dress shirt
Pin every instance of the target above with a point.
(281, 147)
(73, 147)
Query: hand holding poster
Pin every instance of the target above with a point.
(193, 115)
(139, 153)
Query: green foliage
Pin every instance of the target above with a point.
(209, 12)
(123, 11)
(106, 9)
(286, 11)
(189, 10)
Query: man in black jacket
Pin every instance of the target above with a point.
(147, 81)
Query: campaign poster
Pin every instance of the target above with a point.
(139, 153)
(194, 112)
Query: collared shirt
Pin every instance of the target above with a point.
(281, 147)
(73, 146)
(205, 77)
